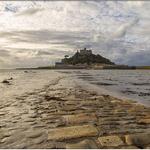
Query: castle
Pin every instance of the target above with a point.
(82, 59)
(85, 52)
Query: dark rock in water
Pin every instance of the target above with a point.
(10, 78)
(25, 71)
(6, 81)
(103, 83)
(140, 83)
(144, 94)
(129, 92)
(53, 98)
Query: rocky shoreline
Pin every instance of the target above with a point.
(64, 115)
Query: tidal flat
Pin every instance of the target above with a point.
(55, 109)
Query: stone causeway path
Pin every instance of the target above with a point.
(60, 116)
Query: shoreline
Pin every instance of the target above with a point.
(103, 91)
(53, 68)
(51, 116)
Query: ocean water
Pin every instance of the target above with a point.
(24, 82)
(130, 84)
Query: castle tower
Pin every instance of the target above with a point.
(85, 52)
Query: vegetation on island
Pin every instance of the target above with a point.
(86, 57)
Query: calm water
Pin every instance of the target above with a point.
(24, 82)
(131, 84)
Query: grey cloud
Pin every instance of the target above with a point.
(122, 31)
(4, 53)
(11, 8)
(41, 53)
(139, 58)
(53, 52)
(37, 52)
(47, 37)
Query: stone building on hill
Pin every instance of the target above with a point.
(83, 58)
(85, 52)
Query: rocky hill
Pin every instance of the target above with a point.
(86, 57)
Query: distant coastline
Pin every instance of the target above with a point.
(85, 59)
(116, 67)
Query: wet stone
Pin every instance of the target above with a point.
(69, 108)
(40, 139)
(29, 120)
(139, 139)
(110, 141)
(34, 134)
(38, 126)
(144, 121)
(17, 145)
(2, 113)
(11, 139)
(72, 132)
(85, 144)
(80, 118)
(33, 116)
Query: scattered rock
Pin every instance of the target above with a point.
(110, 141)
(6, 82)
(72, 132)
(10, 78)
(103, 83)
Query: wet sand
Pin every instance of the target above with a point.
(65, 115)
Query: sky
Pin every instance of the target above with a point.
(38, 33)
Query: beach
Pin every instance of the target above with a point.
(55, 109)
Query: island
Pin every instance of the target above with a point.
(85, 59)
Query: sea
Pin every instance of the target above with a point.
(127, 84)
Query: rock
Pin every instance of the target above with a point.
(85, 144)
(139, 139)
(29, 120)
(6, 82)
(72, 132)
(10, 78)
(40, 139)
(110, 141)
(69, 108)
(144, 121)
(90, 103)
(33, 134)
(79, 118)
(2, 113)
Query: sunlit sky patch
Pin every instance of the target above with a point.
(38, 33)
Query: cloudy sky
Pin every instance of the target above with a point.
(38, 33)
